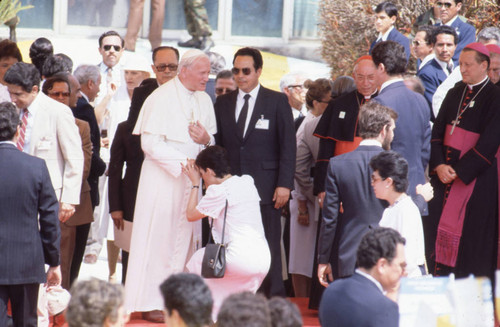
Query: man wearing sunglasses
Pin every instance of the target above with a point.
(421, 47)
(255, 125)
(448, 13)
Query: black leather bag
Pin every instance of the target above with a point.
(214, 259)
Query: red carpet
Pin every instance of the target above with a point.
(309, 317)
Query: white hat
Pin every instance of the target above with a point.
(137, 62)
(57, 299)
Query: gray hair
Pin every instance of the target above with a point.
(290, 79)
(190, 57)
(92, 302)
(85, 73)
(488, 34)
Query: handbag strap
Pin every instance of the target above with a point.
(223, 227)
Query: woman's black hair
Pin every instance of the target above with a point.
(215, 158)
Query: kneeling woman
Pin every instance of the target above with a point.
(247, 252)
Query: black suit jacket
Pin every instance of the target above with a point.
(268, 155)
(348, 182)
(29, 224)
(85, 111)
(126, 148)
(356, 301)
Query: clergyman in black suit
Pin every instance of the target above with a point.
(360, 300)
(255, 125)
(29, 222)
(351, 208)
(89, 78)
(126, 147)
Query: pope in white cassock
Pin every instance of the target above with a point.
(176, 122)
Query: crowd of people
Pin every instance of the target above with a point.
(295, 182)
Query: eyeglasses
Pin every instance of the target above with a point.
(171, 67)
(376, 179)
(236, 71)
(447, 5)
(107, 47)
(417, 43)
(59, 94)
(222, 90)
(298, 86)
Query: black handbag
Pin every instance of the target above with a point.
(214, 259)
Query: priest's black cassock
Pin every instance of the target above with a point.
(466, 136)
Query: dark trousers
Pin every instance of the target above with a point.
(23, 299)
(82, 233)
(273, 283)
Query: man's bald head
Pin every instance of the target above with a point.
(364, 75)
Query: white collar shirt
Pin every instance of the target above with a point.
(240, 101)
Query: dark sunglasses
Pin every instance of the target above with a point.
(163, 67)
(59, 94)
(417, 43)
(107, 47)
(236, 71)
(447, 5)
(222, 90)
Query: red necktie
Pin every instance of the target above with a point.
(22, 130)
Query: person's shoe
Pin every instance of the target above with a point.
(206, 44)
(154, 316)
(192, 43)
(90, 259)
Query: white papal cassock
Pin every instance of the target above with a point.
(162, 238)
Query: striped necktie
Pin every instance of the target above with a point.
(22, 130)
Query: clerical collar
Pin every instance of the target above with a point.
(367, 97)
(451, 21)
(383, 37)
(389, 82)
(471, 86)
(371, 278)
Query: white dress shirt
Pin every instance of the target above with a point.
(240, 101)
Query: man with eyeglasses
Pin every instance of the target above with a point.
(444, 41)
(292, 84)
(255, 125)
(421, 46)
(448, 13)
(111, 47)
(59, 88)
(224, 83)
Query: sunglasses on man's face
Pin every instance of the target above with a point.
(59, 94)
(447, 5)
(246, 71)
(161, 68)
(107, 47)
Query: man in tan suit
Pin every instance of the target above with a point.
(48, 132)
